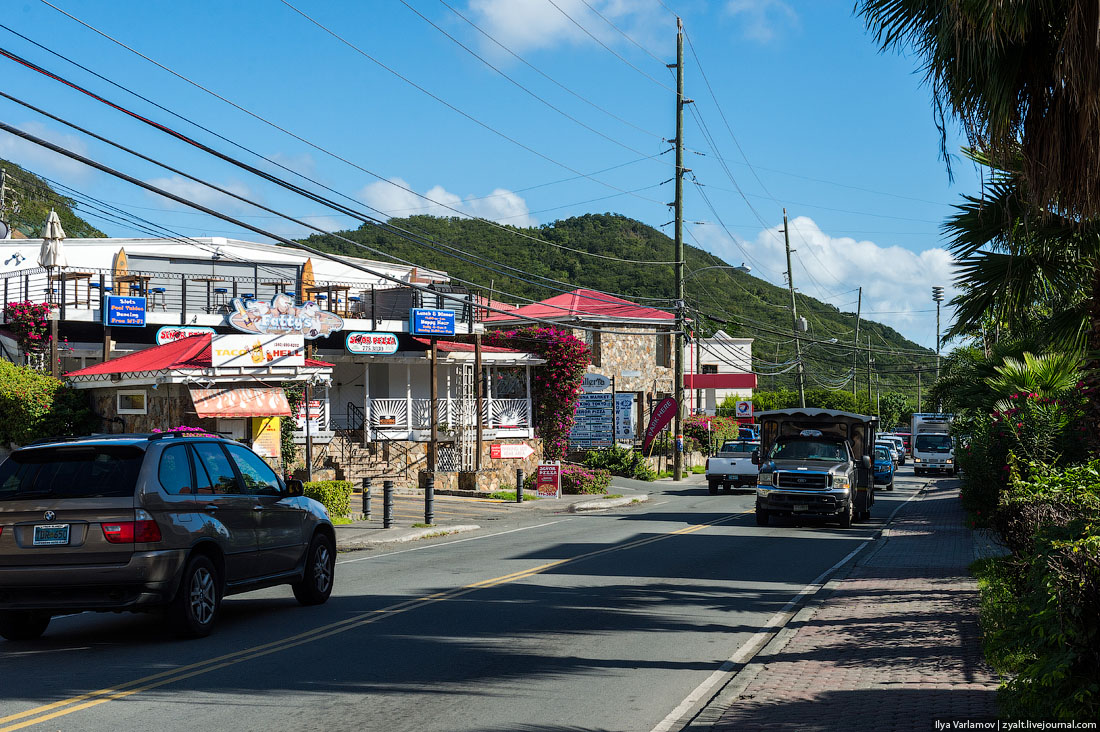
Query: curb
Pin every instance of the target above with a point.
(606, 503)
(431, 531)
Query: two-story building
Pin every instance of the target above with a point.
(718, 367)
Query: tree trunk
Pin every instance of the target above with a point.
(1092, 368)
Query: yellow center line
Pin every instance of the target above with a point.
(90, 699)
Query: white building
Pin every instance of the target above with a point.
(718, 367)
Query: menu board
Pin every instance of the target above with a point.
(595, 425)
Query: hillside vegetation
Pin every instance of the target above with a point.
(753, 308)
(34, 198)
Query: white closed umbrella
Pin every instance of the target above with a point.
(52, 253)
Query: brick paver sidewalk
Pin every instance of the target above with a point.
(894, 647)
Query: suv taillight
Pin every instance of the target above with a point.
(131, 532)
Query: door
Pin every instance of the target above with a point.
(227, 511)
(280, 532)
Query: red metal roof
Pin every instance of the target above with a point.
(719, 381)
(583, 304)
(186, 353)
(453, 347)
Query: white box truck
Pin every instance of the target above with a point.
(933, 449)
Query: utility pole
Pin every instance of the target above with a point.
(794, 316)
(918, 390)
(937, 296)
(870, 367)
(678, 376)
(855, 351)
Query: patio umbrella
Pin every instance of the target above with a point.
(52, 254)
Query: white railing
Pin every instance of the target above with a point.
(394, 414)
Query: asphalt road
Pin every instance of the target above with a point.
(541, 621)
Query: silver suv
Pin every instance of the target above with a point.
(169, 522)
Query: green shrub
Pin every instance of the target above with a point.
(335, 495)
(621, 461)
(36, 405)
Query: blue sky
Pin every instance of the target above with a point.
(821, 122)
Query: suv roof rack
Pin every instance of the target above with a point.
(74, 438)
(183, 433)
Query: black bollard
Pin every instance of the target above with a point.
(519, 485)
(429, 500)
(366, 499)
(387, 504)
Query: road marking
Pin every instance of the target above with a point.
(448, 543)
(90, 699)
(751, 647)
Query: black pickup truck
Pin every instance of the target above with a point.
(815, 462)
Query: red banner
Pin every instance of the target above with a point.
(662, 415)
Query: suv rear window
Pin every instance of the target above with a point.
(78, 471)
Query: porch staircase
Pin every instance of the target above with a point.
(380, 460)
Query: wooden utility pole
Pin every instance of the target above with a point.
(855, 351)
(678, 374)
(794, 316)
(870, 367)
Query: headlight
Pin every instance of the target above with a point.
(950, 460)
(916, 459)
(841, 482)
(765, 478)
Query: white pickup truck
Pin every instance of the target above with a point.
(731, 467)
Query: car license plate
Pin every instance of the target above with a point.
(51, 534)
(800, 507)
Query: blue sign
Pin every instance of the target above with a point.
(423, 321)
(125, 311)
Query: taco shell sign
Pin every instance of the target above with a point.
(257, 351)
(283, 316)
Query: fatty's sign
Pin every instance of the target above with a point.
(257, 351)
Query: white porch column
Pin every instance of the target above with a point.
(489, 400)
(408, 397)
(450, 414)
(530, 416)
(366, 402)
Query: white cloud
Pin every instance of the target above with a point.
(38, 159)
(524, 25)
(395, 198)
(897, 282)
(197, 192)
(763, 20)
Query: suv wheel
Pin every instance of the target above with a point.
(316, 583)
(761, 517)
(195, 608)
(22, 625)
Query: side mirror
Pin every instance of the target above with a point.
(755, 457)
(295, 488)
(867, 462)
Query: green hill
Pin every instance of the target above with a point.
(29, 201)
(752, 307)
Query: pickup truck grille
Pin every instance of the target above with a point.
(798, 479)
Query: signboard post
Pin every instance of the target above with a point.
(128, 312)
(625, 423)
(744, 410)
(595, 422)
(548, 480)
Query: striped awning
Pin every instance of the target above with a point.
(240, 401)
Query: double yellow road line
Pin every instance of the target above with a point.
(63, 707)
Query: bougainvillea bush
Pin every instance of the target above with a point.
(29, 322)
(577, 480)
(556, 384)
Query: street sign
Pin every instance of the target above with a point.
(744, 409)
(423, 321)
(128, 312)
(548, 480)
(510, 451)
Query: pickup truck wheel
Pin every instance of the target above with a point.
(713, 488)
(846, 518)
(761, 517)
(23, 625)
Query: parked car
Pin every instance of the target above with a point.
(884, 468)
(890, 448)
(732, 466)
(170, 522)
(906, 440)
(899, 445)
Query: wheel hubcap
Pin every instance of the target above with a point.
(322, 568)
(203, 596)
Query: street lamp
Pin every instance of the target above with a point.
(937, 297)
(744, 268)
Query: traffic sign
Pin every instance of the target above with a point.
(510, 451)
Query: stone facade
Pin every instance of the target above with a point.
(167, 406)
(635, 360)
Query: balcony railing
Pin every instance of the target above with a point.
(82, 289)
(414, 414)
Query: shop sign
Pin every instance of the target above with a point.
(743, 409)
(423, 321)
(548, 480)
(256, 351)
(173, 333)
(595, 382)
(267, 437)
(506, 451)
(594, 422)
(282, 316)
(625, 417)
(127, 312)
(371, 343)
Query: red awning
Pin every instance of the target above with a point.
(241, 401)
(719, 381)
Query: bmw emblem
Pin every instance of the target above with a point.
(50, 515)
